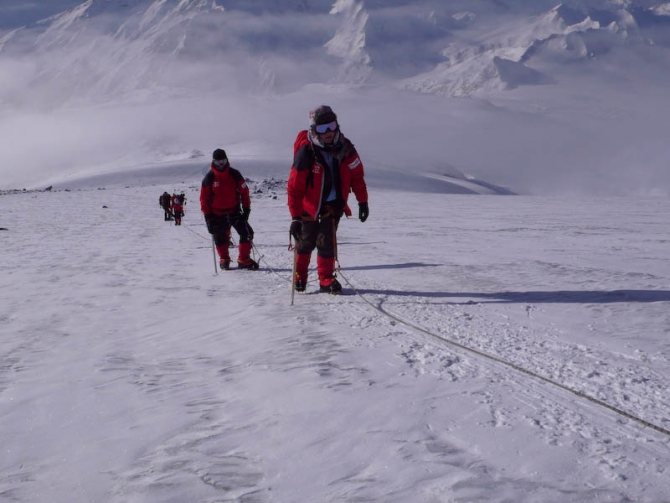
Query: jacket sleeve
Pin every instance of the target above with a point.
(241, 188)
(298, 180)
(355, 165)
(206, 194)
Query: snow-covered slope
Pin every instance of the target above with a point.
(130, 372)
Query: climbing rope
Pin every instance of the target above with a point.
(518, 368)
(477, 352)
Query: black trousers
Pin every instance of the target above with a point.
(219, 227)
(320, 234)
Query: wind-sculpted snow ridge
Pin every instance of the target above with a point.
(506, 54)
(454, 181)
(114, 49)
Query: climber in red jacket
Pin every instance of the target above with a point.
(225, 202)
(326, 167)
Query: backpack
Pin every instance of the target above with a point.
(300, 140)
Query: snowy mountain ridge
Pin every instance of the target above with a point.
(560, 96)
(112, 47)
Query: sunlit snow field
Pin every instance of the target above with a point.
(131, 372)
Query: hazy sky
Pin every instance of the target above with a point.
(19, 12)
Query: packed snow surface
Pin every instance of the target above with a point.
(131, 371)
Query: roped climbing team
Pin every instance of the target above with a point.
(326, 169)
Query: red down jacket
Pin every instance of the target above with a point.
(306, 181)
(222, 192)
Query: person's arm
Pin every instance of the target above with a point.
(298, 180)
(206, 194)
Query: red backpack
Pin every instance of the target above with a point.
(300, 140)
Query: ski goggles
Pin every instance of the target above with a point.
(324, 128)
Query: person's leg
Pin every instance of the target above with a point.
(304, 248)
(246, 234)
(221, 228)
(326, 245)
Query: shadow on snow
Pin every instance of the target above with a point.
(539, 297)
(529, 297)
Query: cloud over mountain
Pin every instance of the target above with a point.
(549, 82)
(112, 47)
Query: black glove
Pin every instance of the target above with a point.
(363, 211)
(245, 213)
(296, 228)
(209, 220)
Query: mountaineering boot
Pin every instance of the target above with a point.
(301, 271)
(224, 262)
(325, 266)
(244, 260)
(248, 264)
(300, 283)
(331, 286)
